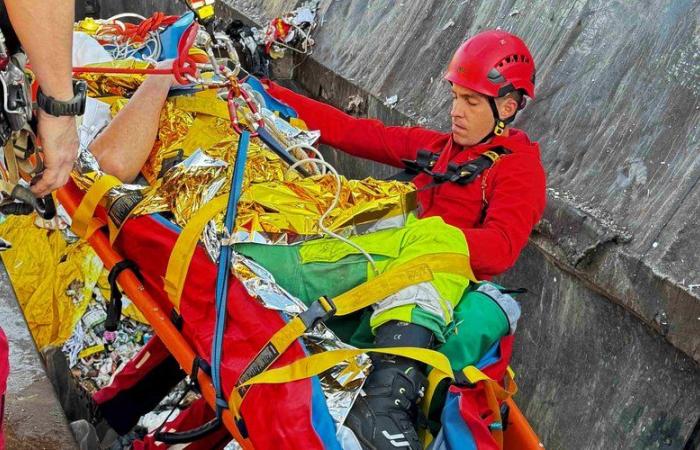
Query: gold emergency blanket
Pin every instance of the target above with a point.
(191, 162)
(106, 85)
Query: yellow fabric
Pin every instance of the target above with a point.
(298, 123)
(83, 223)
(184, 248)
(320, 362)
(53, 281)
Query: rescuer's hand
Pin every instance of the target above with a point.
(59, 139)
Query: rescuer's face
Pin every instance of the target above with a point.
(471, 115)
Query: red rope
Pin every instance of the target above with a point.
(138, 33)
(183, 65)
(122, 70)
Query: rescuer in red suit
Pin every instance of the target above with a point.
(490, 76)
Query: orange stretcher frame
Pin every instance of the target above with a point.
(518, 435)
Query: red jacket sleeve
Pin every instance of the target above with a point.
(516, 200)
(365, 138)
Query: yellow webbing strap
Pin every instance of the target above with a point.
(84, 223)
(184, 248)
(320, 362)
(434, 380)
(417, 270)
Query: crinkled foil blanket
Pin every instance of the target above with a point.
(192, 162)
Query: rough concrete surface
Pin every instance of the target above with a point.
(33, 417)
(617, 112)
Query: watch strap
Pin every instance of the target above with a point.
(72, 107)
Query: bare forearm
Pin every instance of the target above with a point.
(45, 29)
(123, 147)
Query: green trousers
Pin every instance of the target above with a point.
(465, 325)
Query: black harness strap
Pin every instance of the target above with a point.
(114, 306)
(188, 436)
(467, 172)
(462, 174)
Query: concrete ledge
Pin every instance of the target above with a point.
(33, 416)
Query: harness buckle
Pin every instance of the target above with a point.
(424, 162)
(319, 311)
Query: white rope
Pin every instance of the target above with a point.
(126, 14)
(314, 151)
(334, 203)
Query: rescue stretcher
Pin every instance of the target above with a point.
(518, 433)
(172, 265)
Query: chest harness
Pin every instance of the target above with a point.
(459, 173)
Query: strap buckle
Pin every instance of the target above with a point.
(319, 311)
(424, 162)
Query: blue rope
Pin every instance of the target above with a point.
(223, 270)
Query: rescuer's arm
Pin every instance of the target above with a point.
(123, 147)
(45, 30)
(365, 138)
(515, 205)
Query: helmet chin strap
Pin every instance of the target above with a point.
(499, 125)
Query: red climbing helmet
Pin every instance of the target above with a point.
(493, 63)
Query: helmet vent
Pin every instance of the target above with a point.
(513, 59)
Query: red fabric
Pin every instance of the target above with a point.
(473, 403)
(4, 362)
(4, 372)
(196, 414)
(288, 418)
(150, 356)
(514, 188)
(490, 50)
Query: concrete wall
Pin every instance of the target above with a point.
(610, 341)
(33, 416)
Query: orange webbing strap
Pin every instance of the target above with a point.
(84, 222)
(183, 250)
(418, 270)
(318, 363)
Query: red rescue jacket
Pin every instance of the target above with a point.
(496, 212)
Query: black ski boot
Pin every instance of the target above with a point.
(384, 418)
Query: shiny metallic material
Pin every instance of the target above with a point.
(121, 85)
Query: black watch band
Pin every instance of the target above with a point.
(72, 107)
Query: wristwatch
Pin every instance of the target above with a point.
(72, 107)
